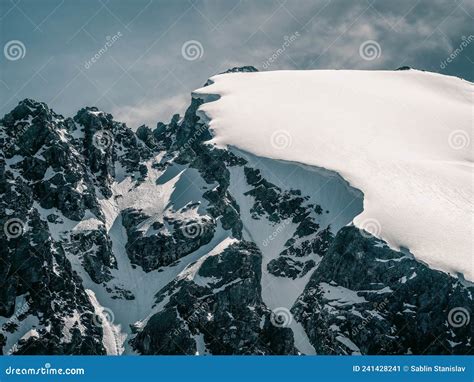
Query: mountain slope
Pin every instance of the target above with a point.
(156, 242)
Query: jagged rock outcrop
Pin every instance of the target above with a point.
(216, 305)
(164, 246)
(157, 241)
(366, 298)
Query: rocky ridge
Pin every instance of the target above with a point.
(89, 206)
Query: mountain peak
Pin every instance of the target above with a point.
(158, 242)
(29, 109)
(241, 69)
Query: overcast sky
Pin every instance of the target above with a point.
(160, 50)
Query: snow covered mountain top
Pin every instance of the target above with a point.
(404, 138)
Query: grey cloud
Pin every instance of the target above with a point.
(144, 75)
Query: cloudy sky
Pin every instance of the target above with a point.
(140, 59)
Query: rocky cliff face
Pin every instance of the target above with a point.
(367, 298)
(155, 242)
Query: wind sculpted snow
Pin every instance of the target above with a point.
(404, 138)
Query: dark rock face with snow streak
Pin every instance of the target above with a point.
(156, 242)
(217, 303)
(384, 301)
(162, 248)
(40, 170)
